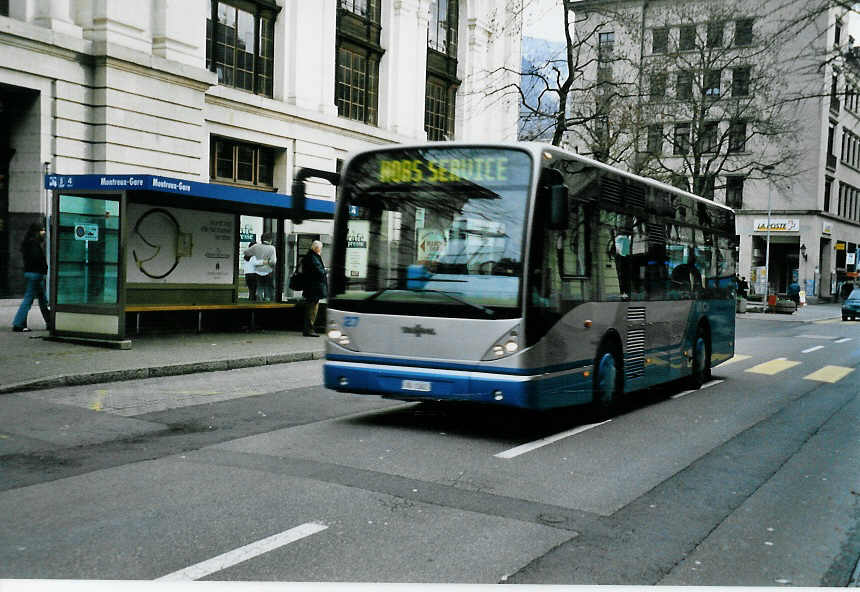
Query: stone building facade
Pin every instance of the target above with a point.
(768, 101)
(241, 92)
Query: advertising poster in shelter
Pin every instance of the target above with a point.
(356, 249)
(179, 246)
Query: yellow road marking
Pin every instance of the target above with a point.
(98, 402)
(735, 358)
(773, 367)
(828, 321)
(4, 437)
(829, 374)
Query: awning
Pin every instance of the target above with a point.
(200, 195)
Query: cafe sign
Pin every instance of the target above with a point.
(777, 225)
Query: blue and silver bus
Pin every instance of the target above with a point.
(522, 275)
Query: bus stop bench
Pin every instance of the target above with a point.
(138, 309)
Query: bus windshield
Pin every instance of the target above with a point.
(433, 232)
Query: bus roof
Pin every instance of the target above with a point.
(535, 148)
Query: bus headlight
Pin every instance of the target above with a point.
(507, 344)
(337, 336)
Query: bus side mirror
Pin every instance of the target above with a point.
(558, 207)
(298, 195)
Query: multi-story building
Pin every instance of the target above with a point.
(240, 92)
(753, 104)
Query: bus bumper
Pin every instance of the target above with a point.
(430, 384)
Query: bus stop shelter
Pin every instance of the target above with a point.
(126, 245)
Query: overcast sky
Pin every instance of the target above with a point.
(543, 19)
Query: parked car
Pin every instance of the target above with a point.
(851, 306)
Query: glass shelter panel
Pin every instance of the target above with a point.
(88, 249)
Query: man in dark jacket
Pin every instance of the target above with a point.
(35, 271)
(315, 286)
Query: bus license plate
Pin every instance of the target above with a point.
(415, 385)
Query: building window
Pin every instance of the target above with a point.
(685, 85)
(687, 38)
(357, 58)
(242, 163)
(356, 86)
(367, 9)
(240, 45)
(708, 138)
(442, 83)
(658, 86)
(681, 138)
(837, 32)
(743, 32)
(741, 81)
(442, 33)
(712, 84)
(828, 186)
(605, 46)
(735, 192)
(715, 34)
(655, 139)
(660, 40)
(834, 96)
(4, 7)
(737, 136)
(439, 111)
(706, 186)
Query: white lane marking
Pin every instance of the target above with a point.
(735, 358)
(807, 336)
(843, 340)
(231, 558)
(529, 446)
(812, 349)
(704, 386)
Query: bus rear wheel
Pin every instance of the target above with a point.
(606, 386)
(701, 371)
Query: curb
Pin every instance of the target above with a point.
(158, 371)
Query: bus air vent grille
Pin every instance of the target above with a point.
(634, 361)
(611, 190)
(635, 196)
(656, 234)
(635, 314)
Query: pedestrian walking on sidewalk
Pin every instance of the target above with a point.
(315, 286)
(35, 272)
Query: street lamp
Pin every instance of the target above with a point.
(766, 170)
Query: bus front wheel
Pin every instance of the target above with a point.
(606, 388)
(701, 371)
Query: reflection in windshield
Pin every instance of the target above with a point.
(441, 227)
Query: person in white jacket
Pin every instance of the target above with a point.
(266, 259)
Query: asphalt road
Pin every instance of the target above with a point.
(261, 474)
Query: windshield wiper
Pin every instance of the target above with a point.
(483, 309)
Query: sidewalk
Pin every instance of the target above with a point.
(804, 314)
(29, 361)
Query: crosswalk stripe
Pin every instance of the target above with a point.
(773, 366)
(812, 349)
(735, 358)
(829, 374)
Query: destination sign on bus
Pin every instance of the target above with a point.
(444, 170)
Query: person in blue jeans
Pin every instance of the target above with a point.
(35, 270)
